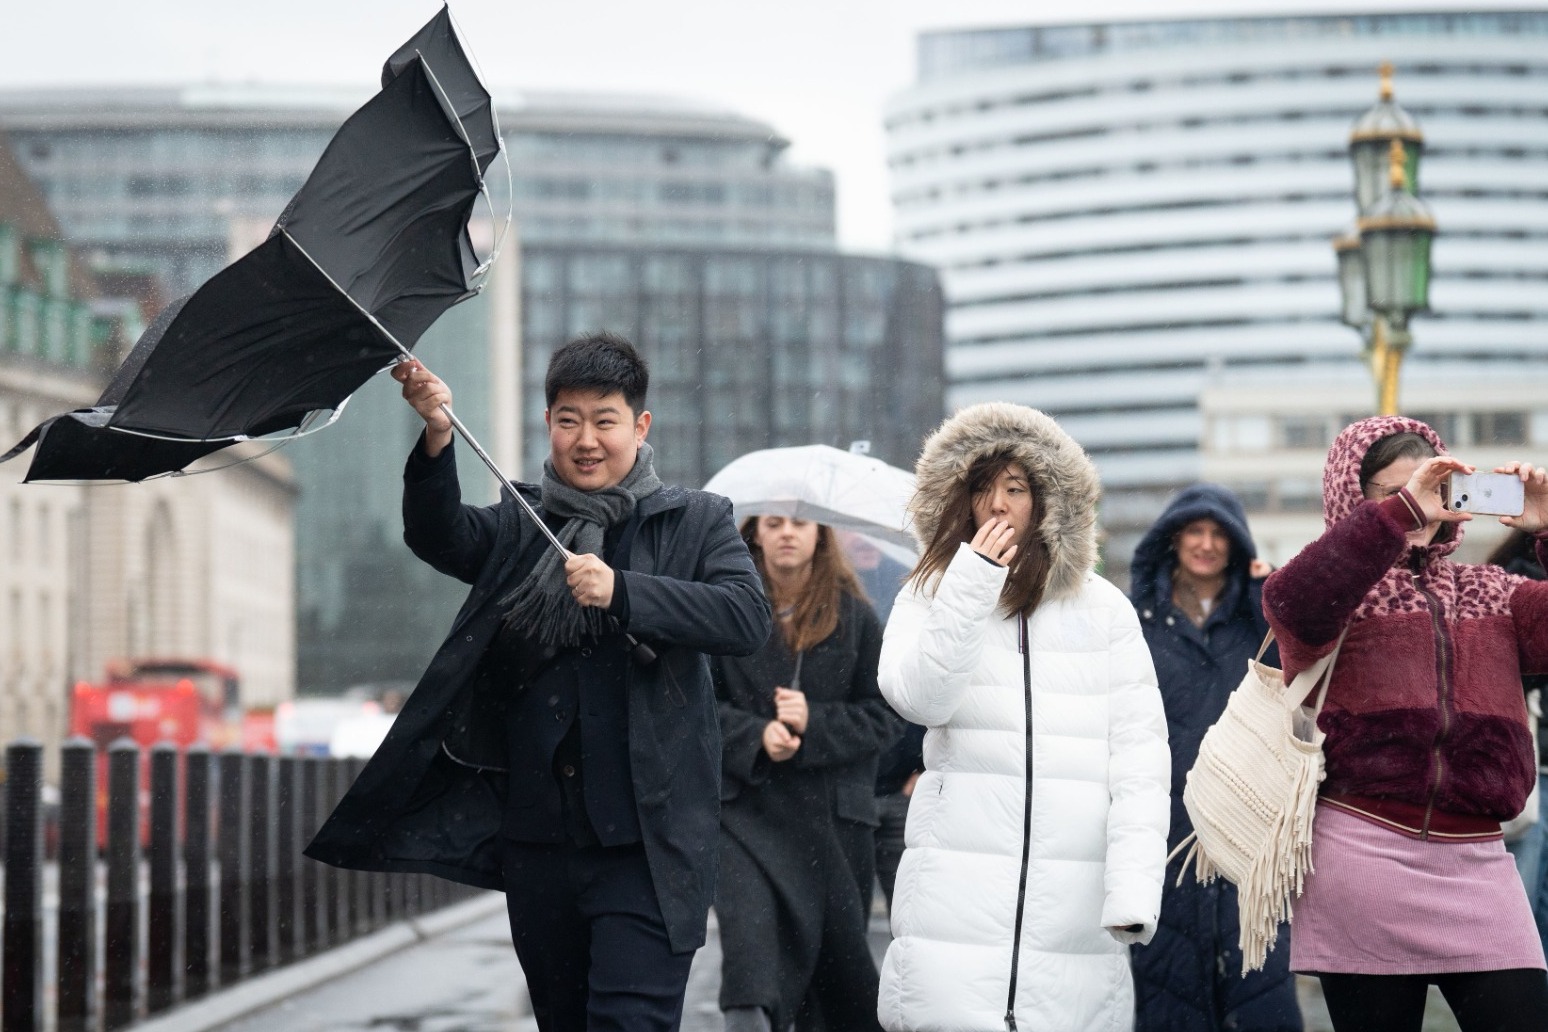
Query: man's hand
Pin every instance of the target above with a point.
(590, 580)
(790, 709)
(426, 392)
(778, 742)
(1534, 514)
(1258, 569)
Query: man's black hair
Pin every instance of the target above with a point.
(601, 362)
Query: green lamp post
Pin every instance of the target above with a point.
(1384, 265)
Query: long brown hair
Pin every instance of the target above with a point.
(816, 612)
(1028, 570)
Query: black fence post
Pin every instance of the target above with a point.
(378, 882)
(343, 889)
(121, 942)
(231, 848)
(290, 929)
(260, 862)
(360, 900)
(196, 872)
(21, 985)
(161, 921)
(77, 972)
(313, 900)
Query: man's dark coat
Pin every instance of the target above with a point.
(1189, 978)
(692, 591)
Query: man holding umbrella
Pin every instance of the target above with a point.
(563, 743)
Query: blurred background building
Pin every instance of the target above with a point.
(1127, 213)
(683, 228)
(195, 569)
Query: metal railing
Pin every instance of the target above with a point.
(199, 883)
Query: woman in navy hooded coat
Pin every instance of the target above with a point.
(1197, 586)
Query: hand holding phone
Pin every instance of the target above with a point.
(1533, 518)
(1485, 494)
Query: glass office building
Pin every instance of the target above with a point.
(1123, 212)
(748, 349)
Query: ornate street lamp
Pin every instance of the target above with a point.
(1370, 144)
(1384, 266)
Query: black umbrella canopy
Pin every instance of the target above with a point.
(470, 103)
(367, 255)
(373, 248)
(79, 446)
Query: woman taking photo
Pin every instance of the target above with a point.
(1037, 833)
(1427, 748)
(802, 723)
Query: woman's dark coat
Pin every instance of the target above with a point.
(692, 590)
(1188, 979)
(797, 856)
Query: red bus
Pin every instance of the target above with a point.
(182, 701)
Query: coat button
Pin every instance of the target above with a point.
(559, 715)
(469, 638)
(568, 770)
(585, 652)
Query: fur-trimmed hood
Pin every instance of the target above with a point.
(1063, 479)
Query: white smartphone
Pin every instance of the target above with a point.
(1487, 494)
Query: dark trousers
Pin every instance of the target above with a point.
(591, 940)
(1482, 1001)
(892, 811)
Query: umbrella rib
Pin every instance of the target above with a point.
(408, 356)
(505, 156)
(483, 187)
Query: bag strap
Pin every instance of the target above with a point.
(1320, 672)
(1268, 639)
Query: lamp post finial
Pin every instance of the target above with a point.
(1397, 169)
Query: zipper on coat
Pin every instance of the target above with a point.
(1443, 700)
(1026, 830)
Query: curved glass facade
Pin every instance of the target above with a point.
(1121, 212)
(748, 349)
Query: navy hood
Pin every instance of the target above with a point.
(1150, 576)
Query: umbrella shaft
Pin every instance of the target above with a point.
(478, 449)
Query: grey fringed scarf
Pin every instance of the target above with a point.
(541, 607)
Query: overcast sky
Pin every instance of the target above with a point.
(820, 71)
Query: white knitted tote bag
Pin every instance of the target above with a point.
(1252, 793)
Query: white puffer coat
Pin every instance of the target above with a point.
(1092, 859)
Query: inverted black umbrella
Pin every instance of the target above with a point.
(371, 250)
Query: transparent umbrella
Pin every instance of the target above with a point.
(823, 484)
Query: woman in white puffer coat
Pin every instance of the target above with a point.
(1036, 836)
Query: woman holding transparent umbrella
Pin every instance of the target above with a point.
(803, 723)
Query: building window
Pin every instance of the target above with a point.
(1445, 424)
(1499, 428)
(1254, 496)
(1300, 496)
(1304, 432)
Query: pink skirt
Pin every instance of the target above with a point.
(1380, 903)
